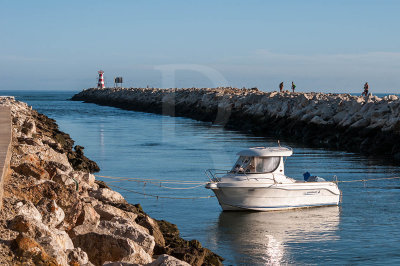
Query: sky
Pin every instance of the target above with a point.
(321, 45)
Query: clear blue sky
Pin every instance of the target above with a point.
(322, 45)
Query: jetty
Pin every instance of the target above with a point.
(369, 125)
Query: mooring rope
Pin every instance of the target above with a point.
(154, 180)
(159, 197)
(157, 182)
(365, 180)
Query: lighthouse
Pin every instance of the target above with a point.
(100, 84)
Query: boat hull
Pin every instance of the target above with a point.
(276, 197)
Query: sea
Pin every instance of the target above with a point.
(142, 148)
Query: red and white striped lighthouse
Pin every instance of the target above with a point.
(100, 84)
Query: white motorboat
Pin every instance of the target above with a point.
(258, 182)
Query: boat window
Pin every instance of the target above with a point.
(266, 164)
(244, 164)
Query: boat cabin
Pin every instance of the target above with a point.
(261, 160)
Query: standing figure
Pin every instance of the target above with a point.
(281, 87)
(366, 88)
(293, 86)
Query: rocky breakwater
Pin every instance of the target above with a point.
(369, 125)
(55, 212)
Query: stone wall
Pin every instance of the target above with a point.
(369, 125)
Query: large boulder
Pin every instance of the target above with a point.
(28, 223)
(167, 260)
(114, 240)
(107, 195)
(103, 247)
(66, 197)
(108, 212)
(124, 228)
(152, 226)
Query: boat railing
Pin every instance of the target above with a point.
(215, 175)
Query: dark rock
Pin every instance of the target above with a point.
(189, 251)
(102, 184)
(28, 169)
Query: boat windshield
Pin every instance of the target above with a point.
(246, 164)
(266, 164)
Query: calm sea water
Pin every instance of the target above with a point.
(364, 229)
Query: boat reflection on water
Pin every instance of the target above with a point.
(267, 238)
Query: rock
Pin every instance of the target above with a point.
(89, 179)
(107, 195)
(62, 178)
(52, 144)
(31, 252)
(166, 260)
(77, 256)
(115, 240)
(80, 162)
(28, 169)
(53, 241)
(79, 150)
(188, 251)
(152, 226)
(101, 184)
(108, 212)
(28, 127)
(20, 224)
(85, 180)
(88, 216)
(105, 247)
(29, 141)
(56, 243)
(29, 210)
(52, 215)
(66, 197)
(54, 168)
(124, 228)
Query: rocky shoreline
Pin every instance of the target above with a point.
(55, 212)
(367, 125)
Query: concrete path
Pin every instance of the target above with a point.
(5, 146)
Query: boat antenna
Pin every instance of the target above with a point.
(279, 143)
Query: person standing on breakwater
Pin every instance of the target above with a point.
(366, 88)
(293, 86)
(281, 87)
